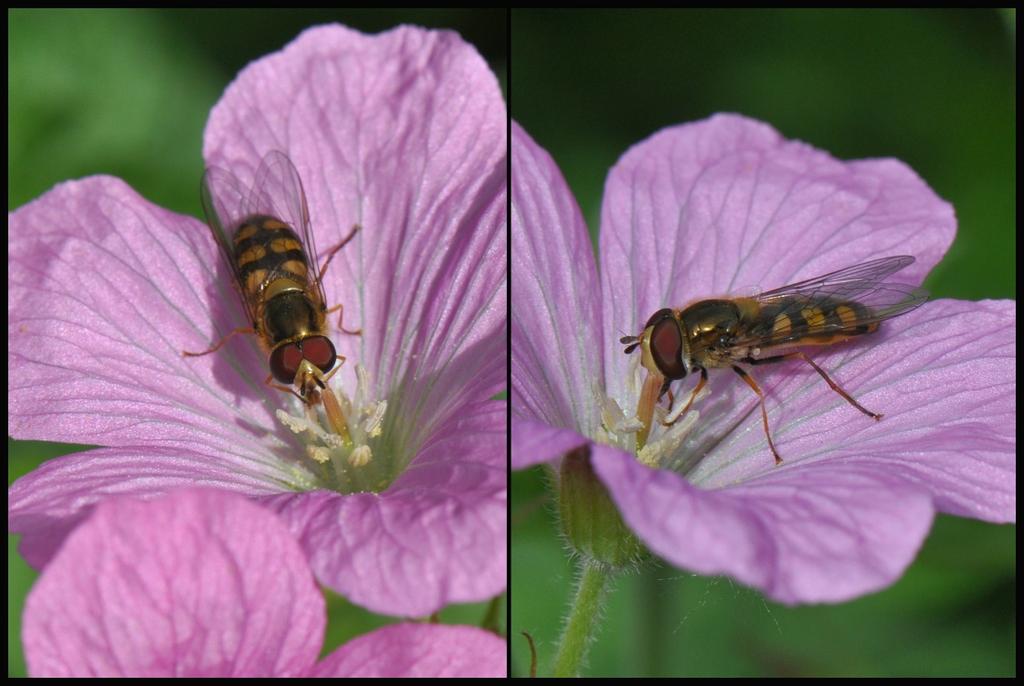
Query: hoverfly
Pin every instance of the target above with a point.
(728, 332)
(264, 235)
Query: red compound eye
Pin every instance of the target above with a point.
(667, 348)
(320, 351)
(285, 361)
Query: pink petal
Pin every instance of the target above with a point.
(96, 357)
(826, 532)
(404, 134)
(724, 206)
(829, 529)
(103, 302)
(727, 206)
(556, 316)
(419, 650)
(437, 536)
(48, 503)
(947, 407)
(199, 583)
(535, 442)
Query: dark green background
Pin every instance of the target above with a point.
(128, 93)
(933, 88)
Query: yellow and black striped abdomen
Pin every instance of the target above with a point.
(265, 250)
(813, 322)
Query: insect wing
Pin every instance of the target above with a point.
(862, 284)
(223, 198)
(277, 191)
(850, 278)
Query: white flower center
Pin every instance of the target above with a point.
(664, 446)
(344, 463)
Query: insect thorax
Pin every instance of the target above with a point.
(710, 326)
(289, 315)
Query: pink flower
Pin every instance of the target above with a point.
(403, 133)
(203, 583)
(723, 206)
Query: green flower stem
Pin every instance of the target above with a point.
(582, 623)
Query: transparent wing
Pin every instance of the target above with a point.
(277, 191)
(849, 281)
(223, 198)
(873, 300)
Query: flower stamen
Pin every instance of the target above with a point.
(342, 438)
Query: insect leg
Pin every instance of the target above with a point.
(283, 389)
(330, 256)
(241, 329)
(341, 360)
(330, 253)
(700, 384)
(341, 313)
(832, 384)
(764, 413)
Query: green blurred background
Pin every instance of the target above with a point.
(127, 93)
(935, 89)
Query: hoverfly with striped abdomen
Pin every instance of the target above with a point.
(729, 332)
(264, 235)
